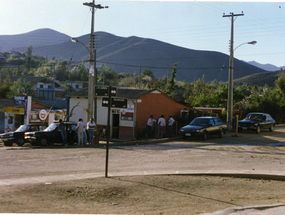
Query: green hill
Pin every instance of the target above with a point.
(260, 79)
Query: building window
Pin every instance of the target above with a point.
(41, 86)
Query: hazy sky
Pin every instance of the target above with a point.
(195, 25)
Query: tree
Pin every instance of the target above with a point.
(20, 88)
(170, 87)
(61, 71)
(28, 58)
(280, 84)
(147, 72)
(5, 88)
(108, 76)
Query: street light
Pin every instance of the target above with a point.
(230, 84)
(91, 81)
(77, 41)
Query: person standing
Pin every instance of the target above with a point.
(170, 124)
(80, 128)
(161, 125)
(149, 125)
(84, 135)
(62, 129)
(90, 129)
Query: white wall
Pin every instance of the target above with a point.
(80, 110)
(102, 112)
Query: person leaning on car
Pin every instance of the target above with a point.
(63, 132)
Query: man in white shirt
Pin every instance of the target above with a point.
(90, 129)
(170, 124)
(80, 128)
(149, 126)
(160, 126)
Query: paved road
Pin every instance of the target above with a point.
(254, 154)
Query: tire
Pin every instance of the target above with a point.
(20, 141)
(44, 142)
(184, 137)
(8, 143)
(271, 128)
(239, 130)
(221, 133)
(257, 129)
(205, 135)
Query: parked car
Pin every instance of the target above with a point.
(203, 126)
(18, 135)
(256, 121)
(52, 135)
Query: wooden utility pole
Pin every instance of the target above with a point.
(231, 68)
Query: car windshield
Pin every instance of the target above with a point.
(51, 127)
(254, 117)
(23, 128)
(200, 121)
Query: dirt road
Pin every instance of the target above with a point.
(33, 179)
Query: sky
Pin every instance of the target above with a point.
(197, 25)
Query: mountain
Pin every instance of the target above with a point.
(260, 79)
(134, 54)
(40, 37)
(267, 67)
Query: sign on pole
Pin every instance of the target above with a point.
(104, 91)
(119, 103)
(105, 102)
(20, 100)
(115, 102)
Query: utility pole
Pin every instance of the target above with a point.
(231, 68)
(92, 65)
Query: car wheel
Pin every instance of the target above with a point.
(205, 135)
(239, 130)
(257, 129)
(221, 133)
(8, 143)
(20, 141)
(43, 142)
(271, 127)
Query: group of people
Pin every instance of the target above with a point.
(161, 126)
(81, 132)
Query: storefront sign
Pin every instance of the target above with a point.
(43, 114)
(14, 110)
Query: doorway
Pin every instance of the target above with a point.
(115, 125)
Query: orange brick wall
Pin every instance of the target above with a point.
(155, 104)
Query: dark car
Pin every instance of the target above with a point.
(256, 121)
(18, 135)
(52, 135)
(203, 126)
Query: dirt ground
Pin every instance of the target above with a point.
(164, 194)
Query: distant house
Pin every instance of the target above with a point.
(130, 122)
(77, 85)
